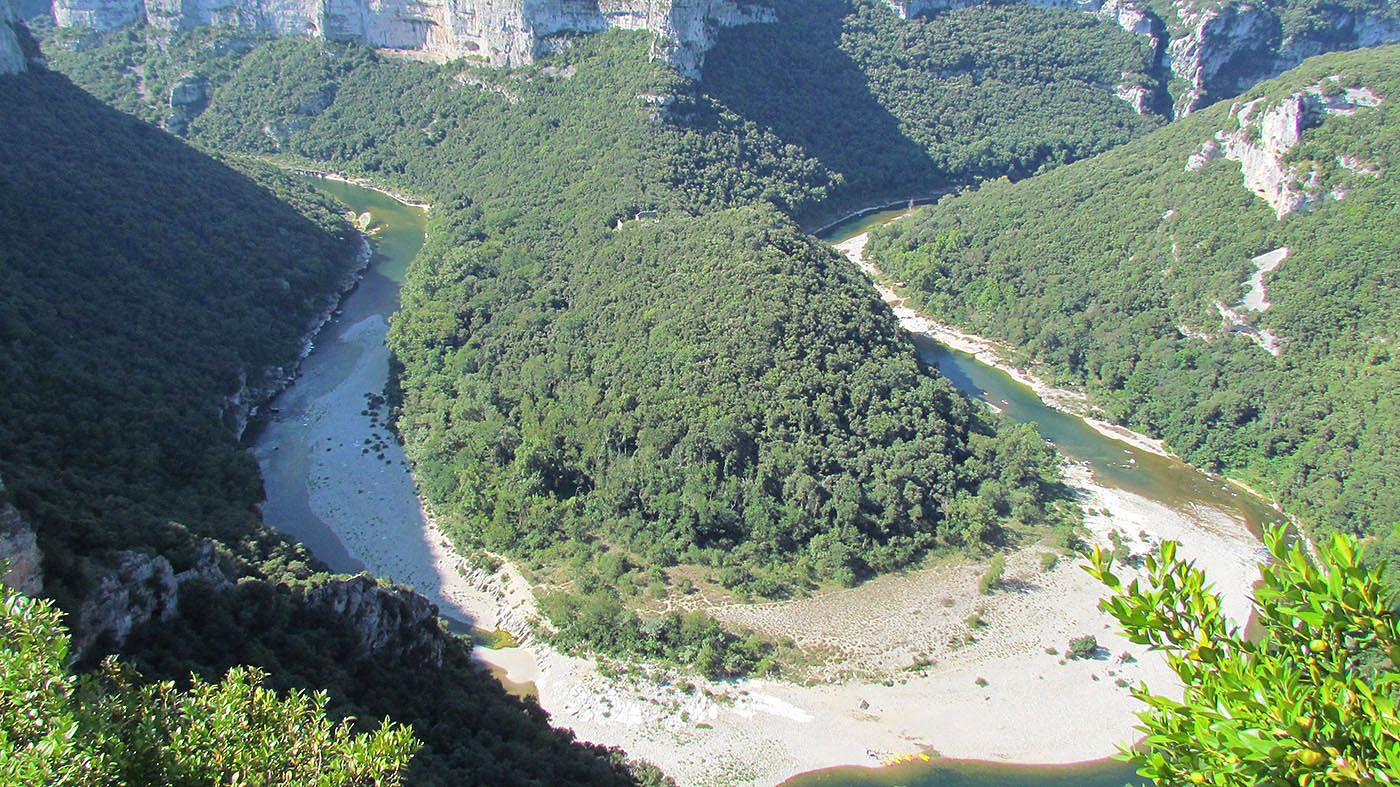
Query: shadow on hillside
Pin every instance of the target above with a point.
(794, 79)
(142, 278)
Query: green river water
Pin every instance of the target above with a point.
(311, 446)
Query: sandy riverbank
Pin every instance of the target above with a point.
(363, 183)
(1033, 708)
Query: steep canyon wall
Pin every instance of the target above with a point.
(1217, 48)
(500, 32)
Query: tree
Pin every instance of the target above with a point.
(1312, 700)
(59, 729)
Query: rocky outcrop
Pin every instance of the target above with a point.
(136, 589)
(1219, 47)
(391, 623)
(1265, 133)
(500, 32)
(188, 97)
(12, 57)
(21, 562)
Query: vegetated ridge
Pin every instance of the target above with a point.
(1227, 283)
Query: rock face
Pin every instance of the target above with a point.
(1264, 135)
(20, 559)
(500, 32)
(12, 58)
(188, 98)
(390, 622)
(1219, 47)
(136, 589)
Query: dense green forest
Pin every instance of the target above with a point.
(144, 281)
(607, 397)
(720, 390)
(610, 398)
(899, 108)
(1100, 270)
(140, 277)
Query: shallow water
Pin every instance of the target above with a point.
(968, 773)
(1113, 463)
(290, 445)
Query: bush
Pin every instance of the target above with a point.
(993, 575)
(1083, 647)
(1310, 700)
(59, 729)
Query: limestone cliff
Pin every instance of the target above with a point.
(1217, 48)
(1264, 135)
(392, 623)
(135, 589)
(500, 32)
(12, 57)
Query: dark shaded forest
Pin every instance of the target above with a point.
(902, 108)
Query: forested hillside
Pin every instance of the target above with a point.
(140, 278)
(608, 396)
(1129, 274)
(144, 283)
(580, 385)
(899, 108)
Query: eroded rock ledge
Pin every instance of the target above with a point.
(1264, 134)
(499, 32)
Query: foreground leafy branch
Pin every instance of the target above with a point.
(59, 729)
(1310, 701)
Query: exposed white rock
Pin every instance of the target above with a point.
(1238, 319)
(499, 32)
(21, 562)
(1210, 151)
(1217, 37)
(136, 589)
(1357, 166)
(389, 622)
(1238, 323)
(1256, 298)
(12, 60)
(1138, 96)
(1264, 135)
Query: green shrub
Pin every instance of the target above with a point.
(992, 577)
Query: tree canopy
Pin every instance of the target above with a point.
(1310, 699)
(1110, 274)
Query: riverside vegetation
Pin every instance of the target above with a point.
(1309, 699)
(1098, 295)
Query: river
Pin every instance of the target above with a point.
(331, 466)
